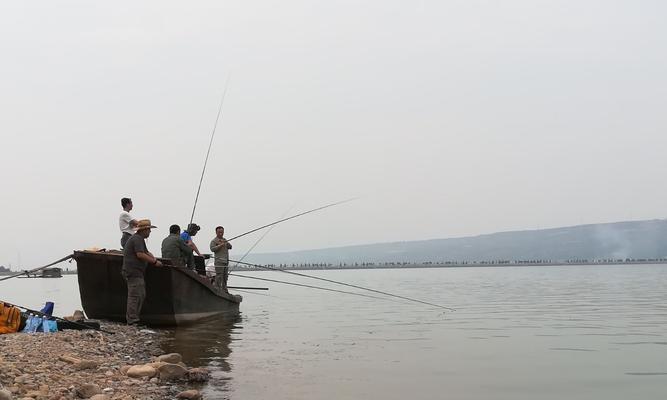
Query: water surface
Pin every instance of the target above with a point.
(593, 332)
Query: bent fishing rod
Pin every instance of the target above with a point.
(263, 236)
(210, 143)
(293, 216)
(344, 284)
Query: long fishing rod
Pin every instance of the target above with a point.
(293, 216)
(222, 101)
(37, 269)
(312, 287)
(263, 236)
(345, 284)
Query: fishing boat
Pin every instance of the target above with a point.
(174, 295)
(45, 273)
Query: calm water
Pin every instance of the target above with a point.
(595, 332)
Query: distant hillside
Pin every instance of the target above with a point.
(618, 240)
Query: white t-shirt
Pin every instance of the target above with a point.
(124, 222)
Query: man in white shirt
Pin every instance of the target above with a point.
(125, 221)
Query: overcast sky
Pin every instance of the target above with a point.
(447, 118)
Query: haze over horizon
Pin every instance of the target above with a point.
(446, 118)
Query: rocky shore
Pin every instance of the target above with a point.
(94, 365)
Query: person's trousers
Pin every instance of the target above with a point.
(126, 236)
(136, 293)
(221, 275)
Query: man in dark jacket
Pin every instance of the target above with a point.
(175, 249)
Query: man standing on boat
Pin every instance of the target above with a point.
(187, 237)
(220, 247)
(125, 221)
(176, 250)
(136, 258)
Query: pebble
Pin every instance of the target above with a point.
(171, 372)
(77, 364)
(139, 371)
(172, 358)
(189, 394)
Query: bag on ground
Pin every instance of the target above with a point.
(10, 318)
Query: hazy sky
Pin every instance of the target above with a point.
(446, 118)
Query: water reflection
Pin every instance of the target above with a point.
(205, 344)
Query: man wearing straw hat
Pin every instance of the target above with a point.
(136, 258)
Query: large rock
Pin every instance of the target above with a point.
(77, 316)
(156, 364)
(88, 390)
(189, 394)
(100, 397)
(140, 371)
(5, 394)
(171, 372)
(172, 358)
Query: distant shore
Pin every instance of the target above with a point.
(457, 264)
(429, 264)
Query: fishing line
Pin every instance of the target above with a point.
(311, 287)
(345, 284)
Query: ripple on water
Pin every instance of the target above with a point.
(570, 349)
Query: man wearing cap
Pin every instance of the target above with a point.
(136, 259)
(187, 237)
(125, 221)
(175, 249)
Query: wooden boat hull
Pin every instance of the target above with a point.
(174, 295)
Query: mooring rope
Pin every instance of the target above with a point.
(37, 269)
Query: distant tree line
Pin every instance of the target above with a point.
(453, 263)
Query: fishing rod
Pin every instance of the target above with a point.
(247, 288)
(344, 284)
(262, 237)
(37, 269)
(293, 216)
(256, 294)
(312, 287)
(222, 101)
(59, 319)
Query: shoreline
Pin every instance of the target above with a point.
(74, 364)
(447, 264)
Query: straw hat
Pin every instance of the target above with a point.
(144, 224)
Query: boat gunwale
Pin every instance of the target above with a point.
(183, 270)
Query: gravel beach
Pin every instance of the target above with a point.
(86, 364)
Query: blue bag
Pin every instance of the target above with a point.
(48, 308)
